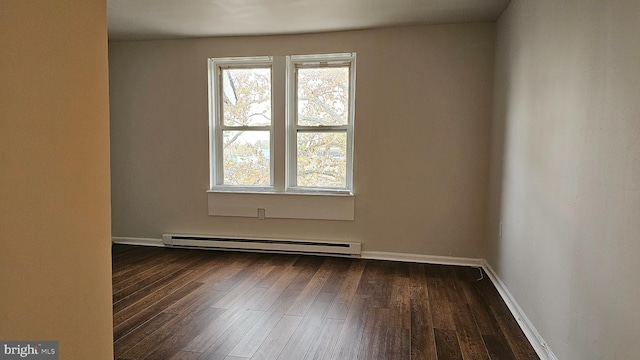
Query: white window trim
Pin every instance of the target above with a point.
(216, 123)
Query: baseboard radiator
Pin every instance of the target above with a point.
(351, 249)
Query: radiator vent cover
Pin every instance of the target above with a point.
(318, 247)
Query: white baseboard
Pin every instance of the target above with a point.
(538, 343)
(137, 241)
(429, 259)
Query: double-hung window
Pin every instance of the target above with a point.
(241, 108)
(313, 127)
(320, 91)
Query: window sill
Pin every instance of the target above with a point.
(290, 205)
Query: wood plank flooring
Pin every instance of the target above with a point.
(173, 304)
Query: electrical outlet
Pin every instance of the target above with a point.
(261, 214)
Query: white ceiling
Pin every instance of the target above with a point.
(161, 19)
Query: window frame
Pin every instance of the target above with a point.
(292, 128)
(288, 97)
(217, 126)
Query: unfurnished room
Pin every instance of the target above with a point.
(290, 179)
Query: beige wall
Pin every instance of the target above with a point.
(422, 129)
(565, 175)
(55, 267)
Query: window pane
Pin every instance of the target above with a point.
(323, 96)
(322, 159)
(246, 97)
(246, 157)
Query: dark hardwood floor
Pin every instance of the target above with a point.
(197, 304)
